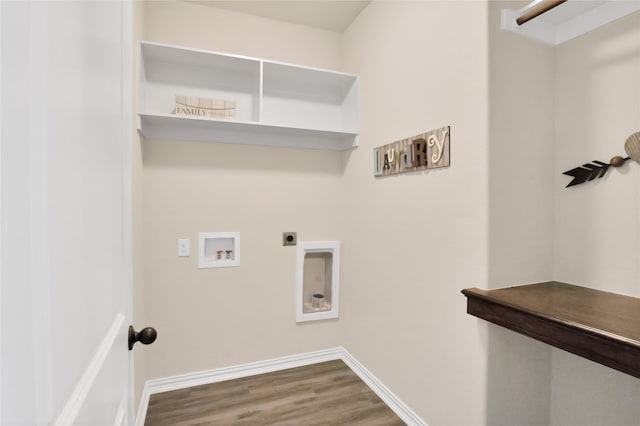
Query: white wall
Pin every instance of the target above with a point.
(210, 318)
(520, 114)
(551, 110)
(413, 241)
(597, 224)
(402, 314)
(186, 24)
(521, 178)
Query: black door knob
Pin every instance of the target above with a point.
(145, 336)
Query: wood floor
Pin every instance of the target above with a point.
(328, 393)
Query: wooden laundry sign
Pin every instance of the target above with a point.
(428, 150)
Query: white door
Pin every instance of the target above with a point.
(65, 220)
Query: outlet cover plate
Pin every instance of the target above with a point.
(289, 238)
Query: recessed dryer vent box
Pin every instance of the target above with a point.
(318, 280)
(218, 249)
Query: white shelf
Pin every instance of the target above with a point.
(568, 20)
(277, 104)
(171, 126)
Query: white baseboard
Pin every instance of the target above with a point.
(235, 372)
(400, 408)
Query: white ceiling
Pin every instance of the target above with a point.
(333, 15)
(568, 11)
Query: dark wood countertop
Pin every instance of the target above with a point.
(601, 326)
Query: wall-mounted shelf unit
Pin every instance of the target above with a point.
(277, 104)
(601, 326)
(567, 20)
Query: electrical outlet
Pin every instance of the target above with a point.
(289, 238)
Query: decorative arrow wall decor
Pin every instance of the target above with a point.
(590, 171)
(597, 169)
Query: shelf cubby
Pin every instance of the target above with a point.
(167, 71)
(309, 97)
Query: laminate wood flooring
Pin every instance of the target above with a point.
(327, 393)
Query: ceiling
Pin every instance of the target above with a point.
(333, 15)
(568, 11)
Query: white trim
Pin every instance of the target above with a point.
(1, 214)
(127, 87)
(261, 367)
(205, 261)
(400, 408)
(303, 248)
(74, 403)
(119, 421)
(229, 373)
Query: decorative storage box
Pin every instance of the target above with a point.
(204, 107)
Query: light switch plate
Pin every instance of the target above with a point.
(184, 247)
